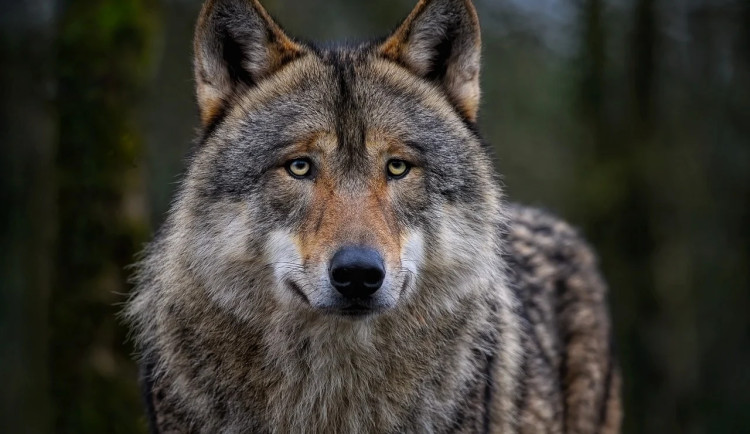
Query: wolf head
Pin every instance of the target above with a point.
(341, 181)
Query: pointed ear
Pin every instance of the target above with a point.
(440, 41)
(236, 45)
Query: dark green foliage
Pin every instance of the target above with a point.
(103, 51)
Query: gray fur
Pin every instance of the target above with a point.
(492, 317)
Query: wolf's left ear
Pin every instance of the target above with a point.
(440, 41)
(237, 45)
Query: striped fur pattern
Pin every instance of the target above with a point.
(491, 317)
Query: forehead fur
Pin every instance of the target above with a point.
(348, 92)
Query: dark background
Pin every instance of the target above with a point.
(630, 118)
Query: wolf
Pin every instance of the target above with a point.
(340, 257)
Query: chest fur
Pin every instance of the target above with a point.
(385, 377)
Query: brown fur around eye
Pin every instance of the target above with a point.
(341, 258)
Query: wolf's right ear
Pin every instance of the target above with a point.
(237, 44)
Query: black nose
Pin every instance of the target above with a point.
(357, 271)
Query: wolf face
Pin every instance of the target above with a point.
(336, 174)
(338, 258)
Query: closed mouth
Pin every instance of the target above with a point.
(357, 308)
(407, 280)
(355, 311)
(298, 291)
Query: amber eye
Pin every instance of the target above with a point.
(299, 168)
(397, 169)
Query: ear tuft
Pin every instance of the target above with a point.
(237, 45)
(440, 41)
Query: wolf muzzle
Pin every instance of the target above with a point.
(357, 272)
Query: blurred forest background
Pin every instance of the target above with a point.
(630, 118)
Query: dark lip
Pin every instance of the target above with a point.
(298, 291)
(407, 279)
(353, 310)
(358, 309)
